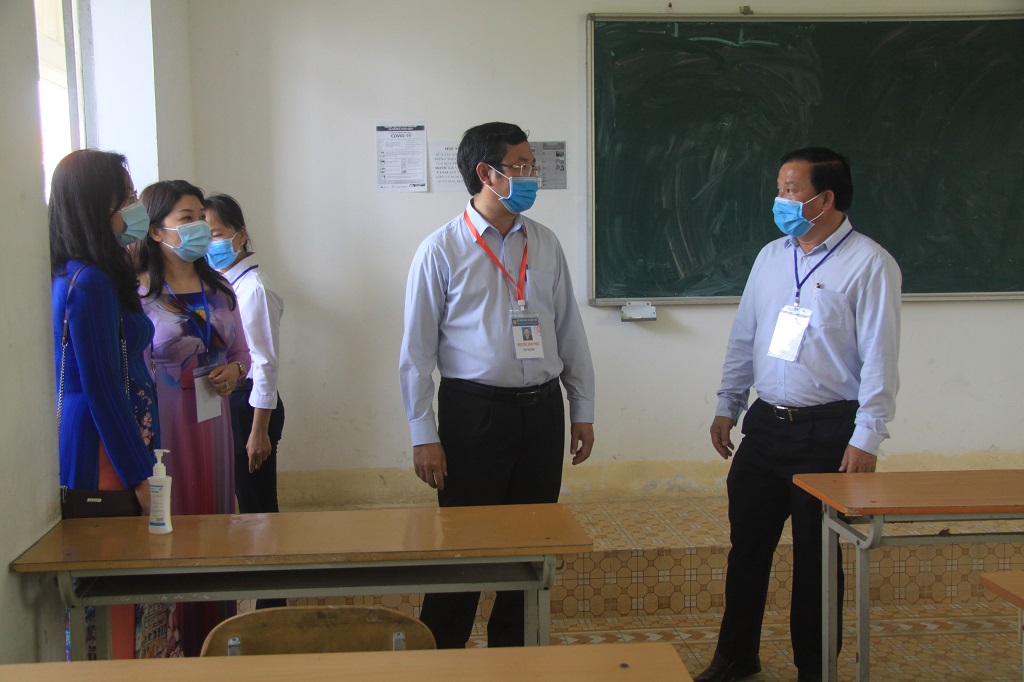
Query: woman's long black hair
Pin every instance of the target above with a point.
(88, 186)
(159, 198)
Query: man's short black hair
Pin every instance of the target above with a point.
(829, 171)
(486, 143)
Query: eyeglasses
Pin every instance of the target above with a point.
(524, 170)
(132, 197)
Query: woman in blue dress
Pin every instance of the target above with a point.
(108, 418)
(106, 412)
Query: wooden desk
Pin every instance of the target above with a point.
(578, 663)
(103, 562)
(1010, 586)
(881, 497)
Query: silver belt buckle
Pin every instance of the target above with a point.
(527, 398)
(783, 413)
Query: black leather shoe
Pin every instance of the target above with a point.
(724, 669)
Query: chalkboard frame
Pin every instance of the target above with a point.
(593, 228)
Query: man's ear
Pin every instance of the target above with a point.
(829, 199)
(483, 172)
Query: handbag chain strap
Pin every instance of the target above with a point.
(65, 337)
(124, 360)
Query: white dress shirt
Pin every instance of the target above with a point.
(458, 318)
(261, 308)
(851, 346)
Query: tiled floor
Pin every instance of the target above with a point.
(657, 573)
(954, 642)
(933, 621)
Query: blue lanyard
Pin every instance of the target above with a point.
(244, 273)
(205, 338)
(796, 273)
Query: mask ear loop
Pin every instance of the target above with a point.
(504, 176)
(811, 220)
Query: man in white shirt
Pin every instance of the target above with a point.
(817, 334)
(490, 304)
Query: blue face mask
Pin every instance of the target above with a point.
(221, 254)
(195, 240)
(789, 216)
(136, 220)
(522, 192)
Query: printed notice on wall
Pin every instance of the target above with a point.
(444, 168)
(401, 157)
(551, 159)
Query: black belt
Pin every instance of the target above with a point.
(842, 408)
(529, 395)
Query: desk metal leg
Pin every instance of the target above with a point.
(829, 599)
(76, 618)
(863, 614)
(1020, 638)
(532, 634)
(538, 617)
(538, 607)
(104, 634)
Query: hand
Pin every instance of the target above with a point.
(581, 441)
(720, 428)
(258, 448)
(142, 492)
(224, 378)
(856, 460)
(429, 462)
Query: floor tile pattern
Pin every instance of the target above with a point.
(657, 573)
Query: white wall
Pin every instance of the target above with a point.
(32, 624)
(173, 90)
(285, 97)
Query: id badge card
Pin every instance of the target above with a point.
(789, 333)
(208, 403)
(526, 335)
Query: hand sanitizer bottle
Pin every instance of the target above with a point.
(160, 496)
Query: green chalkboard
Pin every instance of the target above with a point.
(689, 119)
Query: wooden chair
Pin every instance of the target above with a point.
(317, 629)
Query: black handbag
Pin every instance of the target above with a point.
(78, 503)
(86, 504)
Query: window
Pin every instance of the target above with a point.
(59, 102)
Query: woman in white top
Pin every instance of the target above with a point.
(257, 412)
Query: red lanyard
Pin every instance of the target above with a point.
(521, 285)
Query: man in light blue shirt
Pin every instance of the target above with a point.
(817, 335)
(490, 304)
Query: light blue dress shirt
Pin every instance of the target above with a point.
(458, 318)
(850, 348)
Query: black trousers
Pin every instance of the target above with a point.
(497, 452)
(256, 492)
(761, 497)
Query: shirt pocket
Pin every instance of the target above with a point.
(829, 309)
(540, 288)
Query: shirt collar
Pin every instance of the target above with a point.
(833, 239)
(238, 268)
(481, 223)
